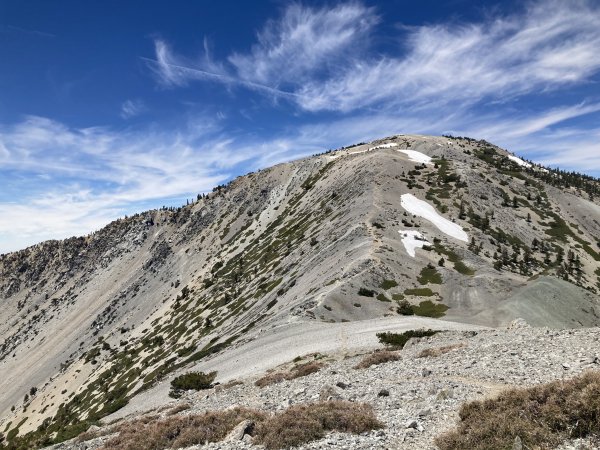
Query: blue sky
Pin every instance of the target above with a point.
(108, 108)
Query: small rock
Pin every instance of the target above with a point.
(426, 372)
(341, 385)
(241, 429)
(518, 324)
(566, 366)
(412, 424)
(383, 393)
(517, 444)
(424, 412)
(300, 391)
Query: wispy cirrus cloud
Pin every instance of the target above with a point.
(320, 58)
(132, 108)
(301, 44)
(473, 77)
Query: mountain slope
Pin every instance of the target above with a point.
(89, 322)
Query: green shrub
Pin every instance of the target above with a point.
(388, 284)
(191, 381)
(461, 267)
(405, 308)
(382, 298)
(398, 340)
(366, 292)
(430, 309)
(429, 274)
(420, 292)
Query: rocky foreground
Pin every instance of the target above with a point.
(417, 397)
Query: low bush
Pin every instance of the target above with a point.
(296, 425)
(180, 431)
(405, 308)
(388, 284)
(399, 340)
(430, 309)
(305, 423)
(382, 298)
(420, 292)
(298, 371)
(366, 292)
(191, 381)
(542, 416)
(377, 357)
(429, 274)
(434, 352)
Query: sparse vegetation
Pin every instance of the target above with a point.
(305, 423)
(388, 284)
(399, 340)
(429, 309)
(298, 371)
(364, 292)
(419, 292)
(542, 416)
(191, 381)
(429, 274)
(377, 357)
(405, 308)
(434, 352)
(294, 426)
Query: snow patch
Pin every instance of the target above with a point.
(416, 156)
(423, 209)
(412, 240)
(519, 161)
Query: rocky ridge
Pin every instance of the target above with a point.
(416, 397)
(89, 324)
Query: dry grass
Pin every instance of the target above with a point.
(180, 431)
(434, 352)
(294, 426)
(305, 423)
(178, 408)
(377, 357)
(298, 371)
(543, 416)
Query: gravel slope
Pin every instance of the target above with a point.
(283, 343)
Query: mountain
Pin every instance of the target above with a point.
(440, 227)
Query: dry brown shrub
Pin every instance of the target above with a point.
(271, 378)
(542, 416)
(180, 431)
(178, 408)
(298, 371)
(228, 385)
(305, 369)
(377, 357)
(434, 352)
(300, 424)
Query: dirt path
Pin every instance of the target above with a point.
(282, 344)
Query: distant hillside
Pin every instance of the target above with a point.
(407, 225)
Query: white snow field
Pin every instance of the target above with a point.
(519, 161)
(412, 239)
(416, 156)
(423, 209)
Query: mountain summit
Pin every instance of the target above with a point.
(403, 228)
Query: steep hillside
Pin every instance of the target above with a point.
(434, 226)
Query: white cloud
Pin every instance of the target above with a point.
(305, 42)
(553, 44)
(320, 59)
(132, 108)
